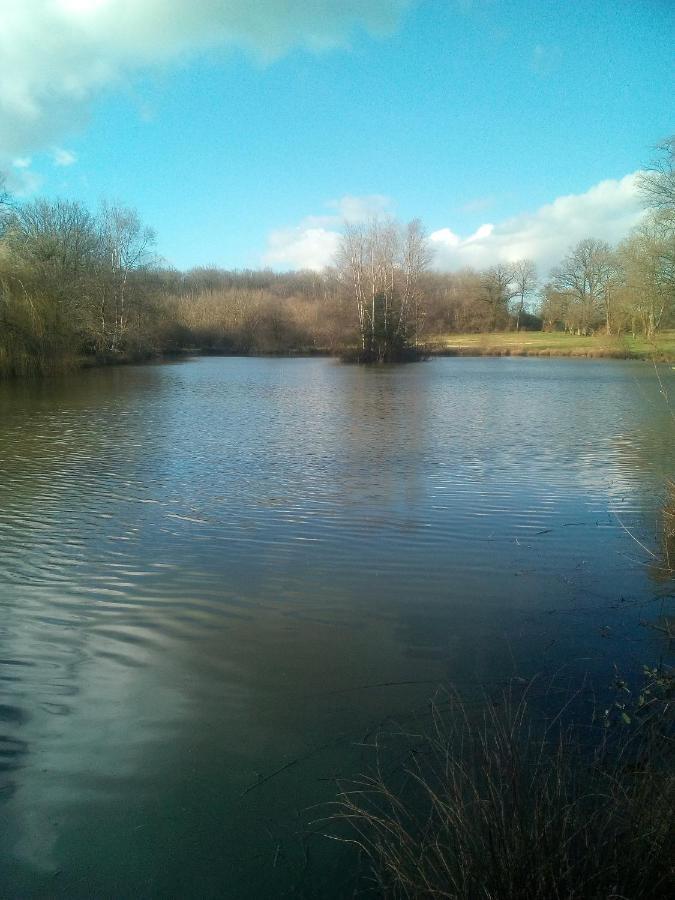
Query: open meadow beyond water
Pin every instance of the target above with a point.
(557, 343)
(218, 576)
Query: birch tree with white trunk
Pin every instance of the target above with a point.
(380, 264)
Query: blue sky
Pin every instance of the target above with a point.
(237, 129)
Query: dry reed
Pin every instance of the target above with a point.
(511, 805)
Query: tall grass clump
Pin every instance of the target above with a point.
(506, 804)
(669, 529)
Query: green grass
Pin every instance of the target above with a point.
(541, 343)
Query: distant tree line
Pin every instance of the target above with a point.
(77, 286)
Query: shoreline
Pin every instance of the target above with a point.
(427, 353)
(559, 353)
(430, 351)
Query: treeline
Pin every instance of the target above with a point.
(77, 285)
(626, 289)
(74, 285)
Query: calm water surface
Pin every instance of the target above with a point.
(213, 569)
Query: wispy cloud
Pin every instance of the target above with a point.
(62, 157)
(479, 204)
(58, 54)
(19, 177)
(354, 209)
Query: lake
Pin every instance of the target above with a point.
(218, 575)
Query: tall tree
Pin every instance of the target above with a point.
(657, 181)
(525, 282)
(127, 245)
(649, 253)
(587, 275)
(497, 288)
(647, 258)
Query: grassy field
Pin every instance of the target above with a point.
(541, 343)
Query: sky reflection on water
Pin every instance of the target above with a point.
(209, 567)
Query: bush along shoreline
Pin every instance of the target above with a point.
(514, 802)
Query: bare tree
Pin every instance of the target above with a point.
(657, 182)
(554, 308)
(587, 275)
(497, 288)
(127, 244)
(54, 246)
(525, 282)
(649, 253)
(647, 258)
(416, 258)
(5, 202)
(381, 265)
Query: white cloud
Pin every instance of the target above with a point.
(301, 248)
(607, 211)
(314, 242)
(56, 55)
(64, 157)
